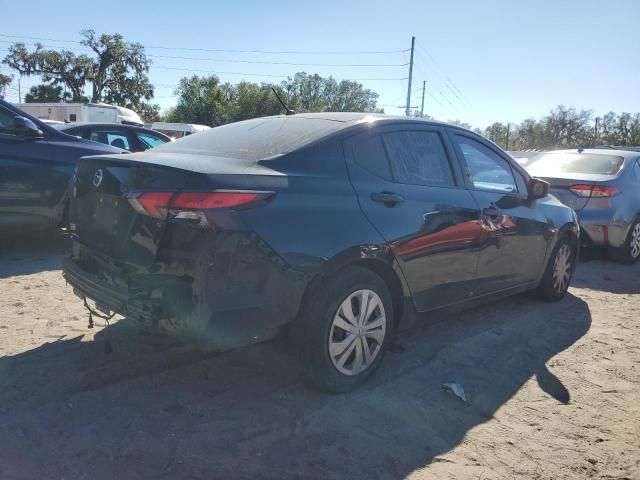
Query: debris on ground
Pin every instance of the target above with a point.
(455, 389)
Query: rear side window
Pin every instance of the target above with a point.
(418, 158)
(115, 139)
(368, 152)
(636, 169)
(486, 169)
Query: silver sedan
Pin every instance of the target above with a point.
(603, 186)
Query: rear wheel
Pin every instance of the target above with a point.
(629, 253)
(557, 276)
(343, 330)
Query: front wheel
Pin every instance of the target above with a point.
(343, 330)
(557, 275)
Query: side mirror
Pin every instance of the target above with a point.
(538, 188)
(26, 128)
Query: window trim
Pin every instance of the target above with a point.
(453, 132)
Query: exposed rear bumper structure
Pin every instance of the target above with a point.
(119, 300)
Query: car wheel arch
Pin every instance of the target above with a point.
(385, 267)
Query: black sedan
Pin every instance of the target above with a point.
(36, 164)
(127, 137)
(337, 225)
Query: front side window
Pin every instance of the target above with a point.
(149, 141)
(486, 169)
(418, 158)
(7, 122)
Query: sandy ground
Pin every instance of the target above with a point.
(553, 393)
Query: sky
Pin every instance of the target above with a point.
(483, 61)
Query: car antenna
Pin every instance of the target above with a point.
(284, 105)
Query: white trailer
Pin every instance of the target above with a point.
(177, 130)
(81, 112)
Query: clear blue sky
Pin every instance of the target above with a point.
(483, 61)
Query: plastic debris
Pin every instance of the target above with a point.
(455, 389)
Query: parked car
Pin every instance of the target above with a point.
(36, 165)
(603, 186)
(336, 224)
(127, 137)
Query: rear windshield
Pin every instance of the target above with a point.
(257, 139)
(563, 163)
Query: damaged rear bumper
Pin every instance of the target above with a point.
(122, 301)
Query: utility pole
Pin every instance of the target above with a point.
(595, 133)
(424, 87)
(19, 92)
(406, 112)
(508, 129)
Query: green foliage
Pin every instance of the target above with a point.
(206, 101)
(149, 112)
(5, 81)
(45, 93)
(568, 128)
(202, 100)
(117, 72)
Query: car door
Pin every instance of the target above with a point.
(411, 190)
(517, 234)
(24, 171)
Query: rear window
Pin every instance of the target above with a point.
(586, 163)
(257, 139)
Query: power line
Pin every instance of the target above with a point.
(162, 67)
(261, 62)
(446, 77)
(191, 49)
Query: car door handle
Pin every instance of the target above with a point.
(388, 198)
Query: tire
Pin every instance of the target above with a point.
(562, 259)
(328, 344)
(629, 253)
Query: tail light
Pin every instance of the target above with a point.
(189, 205)
(585, 190)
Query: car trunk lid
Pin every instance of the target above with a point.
(104, 220)
(561, 188)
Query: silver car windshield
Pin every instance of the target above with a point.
(580, 163)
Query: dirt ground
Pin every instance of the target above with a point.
(553, 393)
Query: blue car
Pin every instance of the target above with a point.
(36, 165)
(603, 186)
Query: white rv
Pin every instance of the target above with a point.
(177, 130)
(82, 112)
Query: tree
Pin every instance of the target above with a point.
(117, 73)
(45, 93)
(313, 93)
(5, 81)
(149, 112)
(202, 100)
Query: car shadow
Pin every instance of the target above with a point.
(36, 253)
(135, 405)
(607, 276)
